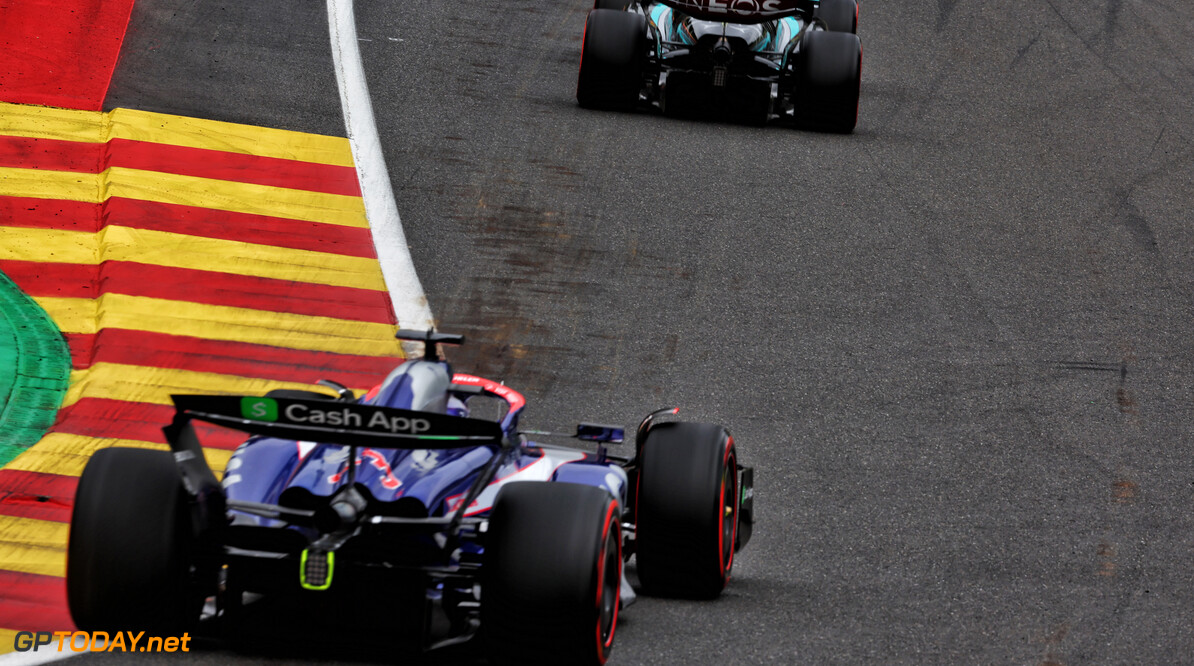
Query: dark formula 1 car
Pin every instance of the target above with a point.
(799, 60)
(399, 515)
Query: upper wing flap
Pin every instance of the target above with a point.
(344, 423)
(739, 11)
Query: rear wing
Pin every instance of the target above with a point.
(334, 422)
(741, 11)
(327, 422)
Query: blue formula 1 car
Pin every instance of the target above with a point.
(404, 516)
(796, 60)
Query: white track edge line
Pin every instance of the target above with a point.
(381, 210)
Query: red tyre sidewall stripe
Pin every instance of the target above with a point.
(603, 648)
(581, 66)
(729, 462)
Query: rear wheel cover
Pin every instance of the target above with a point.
(553, 562)
(687, 510)
(611, 63)
(130, 550)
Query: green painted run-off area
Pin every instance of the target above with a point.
(34, 371)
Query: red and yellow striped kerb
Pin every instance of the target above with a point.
(176, 256)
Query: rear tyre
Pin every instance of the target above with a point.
(131, 535)
(828, 81)
(553, 566)
(616, 5)
(611, 60)
(687, 510)
(839, 15)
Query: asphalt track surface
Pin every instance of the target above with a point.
(956, 344)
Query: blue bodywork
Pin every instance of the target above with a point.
(373, 518)
(379, 506)
(270, 470)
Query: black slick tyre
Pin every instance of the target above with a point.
(611, 60)
(128, 554)
(686, 512)
(839, 15)
(616, 5)
(828, 81)
(552, 567)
